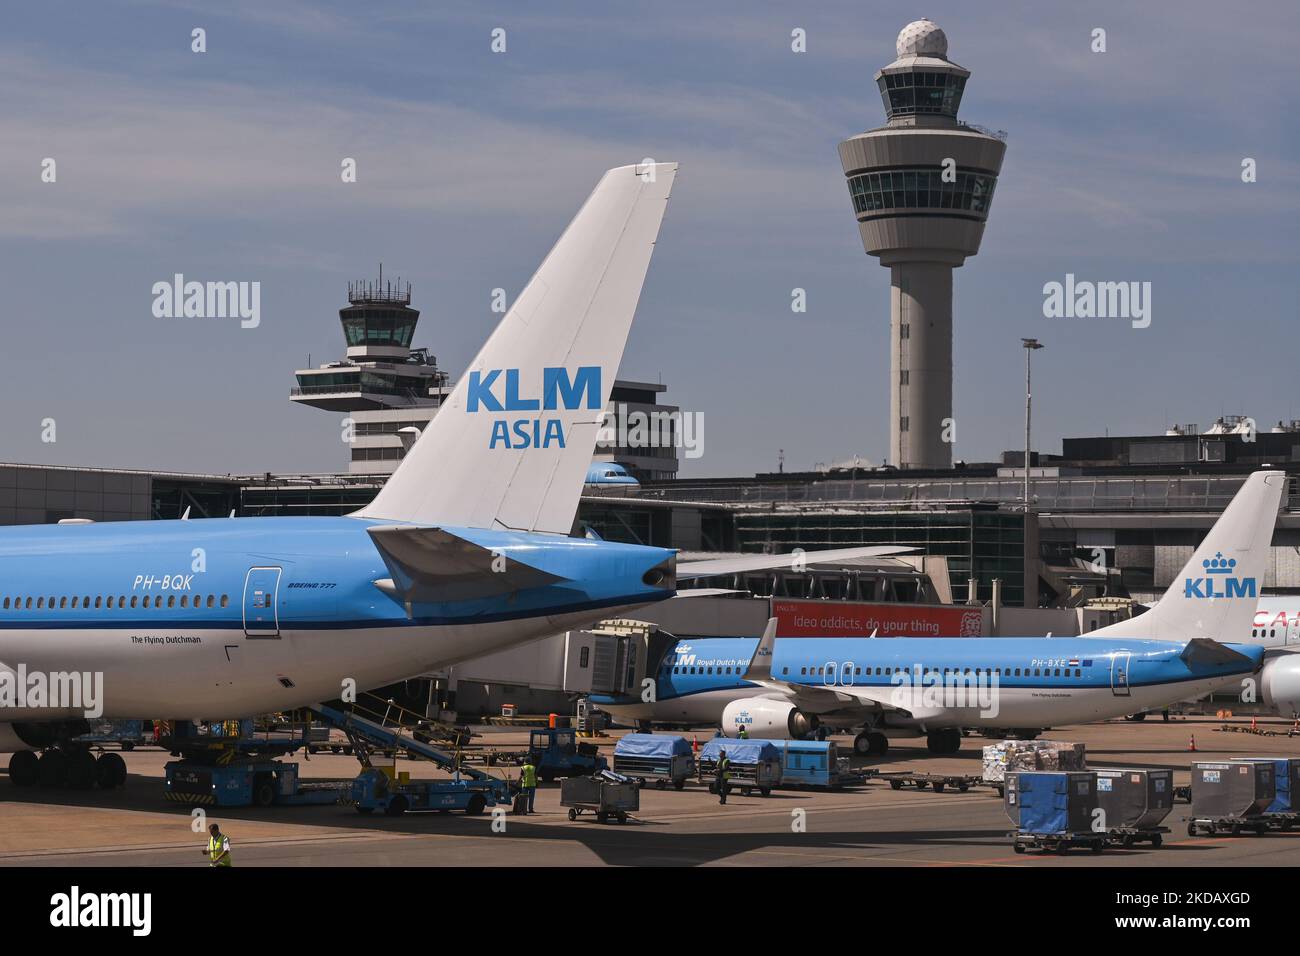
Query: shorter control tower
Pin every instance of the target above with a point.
(921, 186)
(390, 390)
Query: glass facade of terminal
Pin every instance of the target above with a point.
(906, 94)
(921, 189)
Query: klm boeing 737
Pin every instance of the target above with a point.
(466, 550)
(936, 686)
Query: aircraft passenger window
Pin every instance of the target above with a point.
(785, 670)
(1038, 672)
(185, 600)
(135, 600)
(85, 601)
(51, 604)
(209, 600)
(858, 671)
(40, 602)
(63, 602)
(887, 671)
(877, 671)
(226, 600)
(1272, 632)
(171, 600)
(803, 670)
(29, 604)
(74, 600)
(1254, 633)
(1078, 672)
(99, 600)
(146, 600)
(6, 604)
(710, 670)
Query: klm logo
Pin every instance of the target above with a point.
(498, 390)
(1219, 581)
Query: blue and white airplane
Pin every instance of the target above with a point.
(610, 478)
(466, 550)
(895, 686)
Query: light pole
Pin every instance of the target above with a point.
(1030, 345)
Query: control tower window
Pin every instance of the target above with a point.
(369, 326)
(906, 94)
(921, 189)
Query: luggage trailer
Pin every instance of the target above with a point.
(1053, 811)
(1134, 803)
(1230, 797)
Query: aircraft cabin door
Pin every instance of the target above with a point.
(261, 602)
(1119, 665)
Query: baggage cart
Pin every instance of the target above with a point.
(898, 779)
(658, 757)
(1230, 797)
(1135, 803)
(605, 794)
(1284, 812)
(755, 764)
(1053, 811)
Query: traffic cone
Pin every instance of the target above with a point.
(1192, 746)
(695, 743)
(1254, 728)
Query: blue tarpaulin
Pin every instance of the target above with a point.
(740, 751)
(651, 745)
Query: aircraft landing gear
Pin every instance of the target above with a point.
(871, 743)
(944, 742)
(76, 768)
(23, 768)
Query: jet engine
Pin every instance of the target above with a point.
(767, 718)
(1280, 684)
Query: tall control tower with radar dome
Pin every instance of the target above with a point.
(922, 185)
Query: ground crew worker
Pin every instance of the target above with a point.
(744, 733)
(218, 851)
(723, 773)
(528, 783)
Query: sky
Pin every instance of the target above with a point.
(1123, 165)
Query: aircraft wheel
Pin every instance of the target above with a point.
(52, 769)
(23, 768)
(110, 771)
(81, 770)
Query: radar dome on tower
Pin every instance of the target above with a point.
(922, 38)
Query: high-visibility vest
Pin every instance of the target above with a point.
(529, 777)
(214, 847)
(744, 734)
(724, 768)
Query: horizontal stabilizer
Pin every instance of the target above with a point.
(1202, 650)
(793, 561)
(433, 565)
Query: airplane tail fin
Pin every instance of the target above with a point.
(510, 447)
(760, 665)
(1216, 593)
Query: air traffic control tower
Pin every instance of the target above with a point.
(921, 187)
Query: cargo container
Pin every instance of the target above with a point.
(1231, 796)
(1284, 812)
(1053, 810)
(1135, 803)
(658, 757)
(755, 764)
